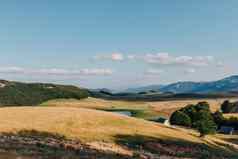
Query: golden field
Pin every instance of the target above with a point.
(87, 125)
(160, 108)
(84, 124)
(231, 115)
(78, 120)
(95, 103)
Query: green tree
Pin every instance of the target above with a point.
(218, 118)
(206, 127)
(205, 123)
(202, 106)
(227, 106)
(190, 111)
(198, 116)
(180, 118)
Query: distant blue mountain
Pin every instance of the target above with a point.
(226, 85)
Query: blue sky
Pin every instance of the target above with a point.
(118, 44)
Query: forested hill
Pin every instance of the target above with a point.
(19, 94)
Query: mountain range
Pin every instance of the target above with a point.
(18, 93)
(226, 85)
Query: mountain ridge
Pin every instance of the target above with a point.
(226, 85)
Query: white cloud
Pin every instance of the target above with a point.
(96, 71)
(52, 71)
(190, 71)
(154, 72)
(113, 57)
(56, 72)
(166, 59)
(11, 70)
(117, 57)
(161, 58)
(220, 64)
(131, 57)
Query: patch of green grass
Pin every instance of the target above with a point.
(138, 109)
(137, 113)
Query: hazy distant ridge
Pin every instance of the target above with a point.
(226, 85)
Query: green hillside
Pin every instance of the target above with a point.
(19, 94)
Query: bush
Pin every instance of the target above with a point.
(180, 118)
(218, 118)
(190, 111)
(202, 106)
(227, 106)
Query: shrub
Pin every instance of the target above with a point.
(190, 111)
(218, 118)
(203, 115)
(180, 118)
(227, 106)
(202, 106)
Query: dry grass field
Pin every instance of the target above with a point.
(94, 103)
(84, 124)
(107, 131)
(153, 109)
(98, 129)
(231, 115)
(140, 109)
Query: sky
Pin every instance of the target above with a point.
(118, 44)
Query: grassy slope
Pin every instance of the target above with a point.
(85, 124)
(94, 126)
(139, 109)
(95, 103)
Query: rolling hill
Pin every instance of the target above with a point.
(19, 94)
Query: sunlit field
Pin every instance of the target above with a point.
(146, 109)
(97, 128)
